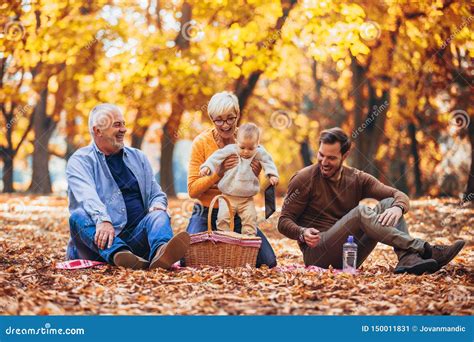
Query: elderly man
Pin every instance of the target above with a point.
(118, 211)
(322, 209)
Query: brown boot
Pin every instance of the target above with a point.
(127, 259)
(443, 254)
(170, 252)
(413, 263)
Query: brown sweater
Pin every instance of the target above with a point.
(316, 202)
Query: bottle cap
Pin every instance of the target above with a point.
(350, 239)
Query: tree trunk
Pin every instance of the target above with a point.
(398, 177)
(168, 140)
(369, 120)
(71, 131)
(7, 156)
(416, 159)
(171, 127)
(138, 137)
(182, 40)
(43, 127)
(166, 162)
(402, 183)
(469, 194)
(305, 151)
(7, 153)
(358, 83)
(375, 128)
(138, 133)
(244, 88)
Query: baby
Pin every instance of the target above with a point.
(240, 184)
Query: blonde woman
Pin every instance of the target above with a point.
(224, 112)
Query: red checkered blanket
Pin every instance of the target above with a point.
(227, 237)
(81, 263)
(78, 264)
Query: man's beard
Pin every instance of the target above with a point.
(334, 173)
(117, 144)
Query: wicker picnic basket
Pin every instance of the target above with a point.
(224, 249)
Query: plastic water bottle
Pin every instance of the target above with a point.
(349, 256)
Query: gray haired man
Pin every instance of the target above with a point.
(118, 210)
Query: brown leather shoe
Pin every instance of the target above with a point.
(127, 259)
(444, 254)
(170, 252)
(413, 263)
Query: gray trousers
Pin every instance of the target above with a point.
(362, 223)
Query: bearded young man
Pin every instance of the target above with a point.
(322, 209)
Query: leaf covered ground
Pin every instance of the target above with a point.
(34, 232)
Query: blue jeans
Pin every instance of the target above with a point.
(198, 224)
(142, 240)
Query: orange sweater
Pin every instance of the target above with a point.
(202, 188)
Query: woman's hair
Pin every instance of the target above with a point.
(333, 135)
(249, 130)
(223, 103)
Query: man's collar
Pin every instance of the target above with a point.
(96, 148)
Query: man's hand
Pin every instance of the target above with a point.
(390, 216)
(256, 167)
(273, 180)
(205, 171)
(104, 235)
(311, 237)
(227, 164)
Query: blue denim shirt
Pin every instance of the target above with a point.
(91, 186)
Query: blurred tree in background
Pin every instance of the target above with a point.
(397, 76)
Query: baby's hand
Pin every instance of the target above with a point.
(274, 180)
(205, 171)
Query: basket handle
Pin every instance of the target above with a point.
(209, 215)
